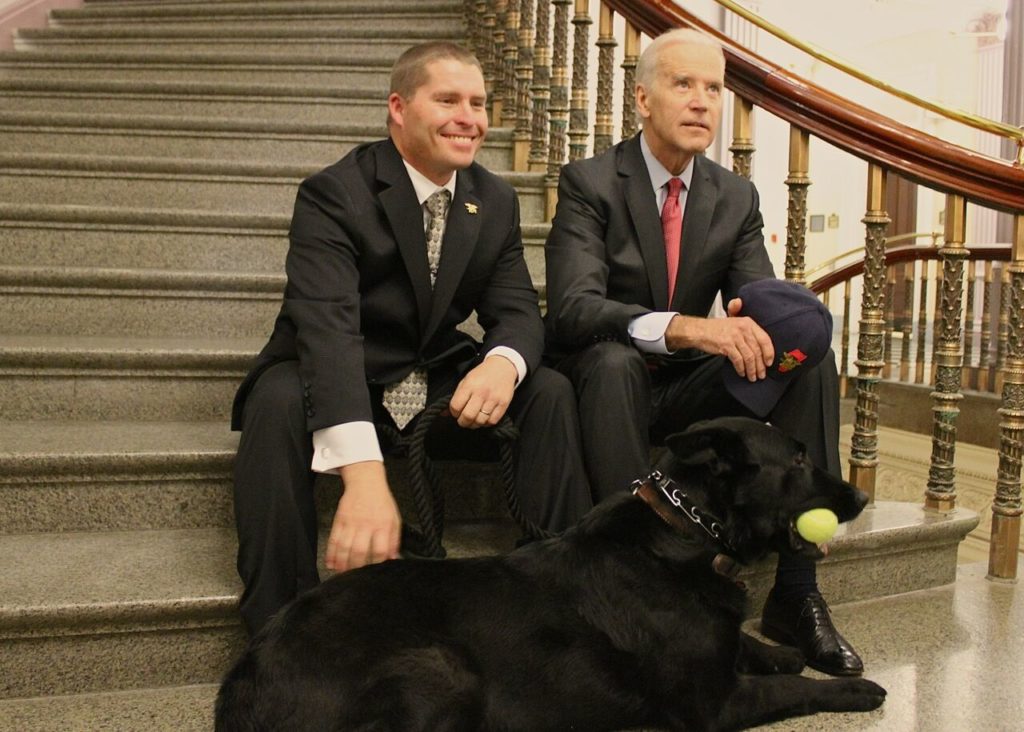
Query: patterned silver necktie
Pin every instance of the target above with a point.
(408, 397)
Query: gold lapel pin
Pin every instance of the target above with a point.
(472, 208)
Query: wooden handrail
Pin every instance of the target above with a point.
(907, 253)
(926, 159)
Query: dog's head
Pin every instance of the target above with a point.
(757, 481)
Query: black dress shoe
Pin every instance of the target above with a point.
(806, 624)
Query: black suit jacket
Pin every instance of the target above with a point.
(358, 309)
(605, 254)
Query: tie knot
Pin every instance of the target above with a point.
(674, 186)
(437, 203)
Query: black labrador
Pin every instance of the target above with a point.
(628, 620)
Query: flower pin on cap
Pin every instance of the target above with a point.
(800, 327)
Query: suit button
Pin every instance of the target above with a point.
(310, 412)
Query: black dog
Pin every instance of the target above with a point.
(624, 621)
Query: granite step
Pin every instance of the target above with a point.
(103, 611)
(107, 238)
(297, 104)
(388, 46)
(85, 612)
(191, 10)
(238, 139)
(90, 301)
(120, 475)
(194, 185)
(99, 378)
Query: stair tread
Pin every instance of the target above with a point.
(74, 580)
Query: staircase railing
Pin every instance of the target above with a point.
(526, 47)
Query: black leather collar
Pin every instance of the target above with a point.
(675, 508)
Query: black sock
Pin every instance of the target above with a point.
(795, 578)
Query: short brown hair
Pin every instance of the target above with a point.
(410, 70)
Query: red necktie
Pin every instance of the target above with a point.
(671, 229)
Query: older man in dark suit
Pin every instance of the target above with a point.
(392, 248)
(644, 238)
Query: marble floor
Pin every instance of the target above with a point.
(950, 658)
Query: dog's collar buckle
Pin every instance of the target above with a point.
(668, 488)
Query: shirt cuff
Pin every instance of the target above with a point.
(343, 444)
(648, 332)
(512, 355)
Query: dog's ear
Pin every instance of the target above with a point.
(719, 449)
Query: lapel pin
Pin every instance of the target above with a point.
(472, 208)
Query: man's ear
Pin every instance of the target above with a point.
(641, 102)
(396, 108)
(718, 449)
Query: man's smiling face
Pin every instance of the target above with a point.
(440, 128)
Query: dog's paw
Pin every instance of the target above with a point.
(853, 695)
(787, 660)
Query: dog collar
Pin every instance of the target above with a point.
(658, 488)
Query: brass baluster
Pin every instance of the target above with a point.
(488, 19)
(579, 129)
(844, 368)
(630, 58)
(1004, 325)
(606, 43)
(985, 372)
(907, 327)
(1006, 508)
(936, 319)
(864, 446)
(510, 114)
(524, 77)
(890, 291)
(941, 492)
(970, 311)
(501, 86)
(922, 323)
(472, 21)
(798, 182)
(541, 89)
(559, 107)
(742, 147)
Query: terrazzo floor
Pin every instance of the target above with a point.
(949, 657)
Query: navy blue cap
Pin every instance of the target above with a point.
(800, 327)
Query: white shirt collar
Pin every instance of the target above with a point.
(659, 173)
(425, 187)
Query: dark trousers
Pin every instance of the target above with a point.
(274, 505)
(624, 402)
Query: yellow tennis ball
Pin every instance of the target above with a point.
(817, 525)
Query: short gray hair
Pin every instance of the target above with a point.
(648, 61)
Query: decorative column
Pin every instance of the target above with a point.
(500, 84)
(579, 129)
(949, 358)
(488, 18)
(1006, 508)
(798, 182)
(509, 113)
(606, 43)
(524, 77)
(559, 107)
(630, 58)
(742, 147)
(541, 88)
(864, 447)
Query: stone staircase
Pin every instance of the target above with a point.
(149, 156)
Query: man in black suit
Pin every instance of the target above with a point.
(392, 248)
(628, 296)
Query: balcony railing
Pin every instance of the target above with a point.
(535, 56)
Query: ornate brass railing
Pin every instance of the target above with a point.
(547, 103)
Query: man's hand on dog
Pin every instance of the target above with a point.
(739, 339)
(367, 526)
(483, 395)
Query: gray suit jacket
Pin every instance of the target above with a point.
(606, 257)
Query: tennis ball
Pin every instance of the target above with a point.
(817, 525)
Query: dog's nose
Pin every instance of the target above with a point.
(861, 498)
